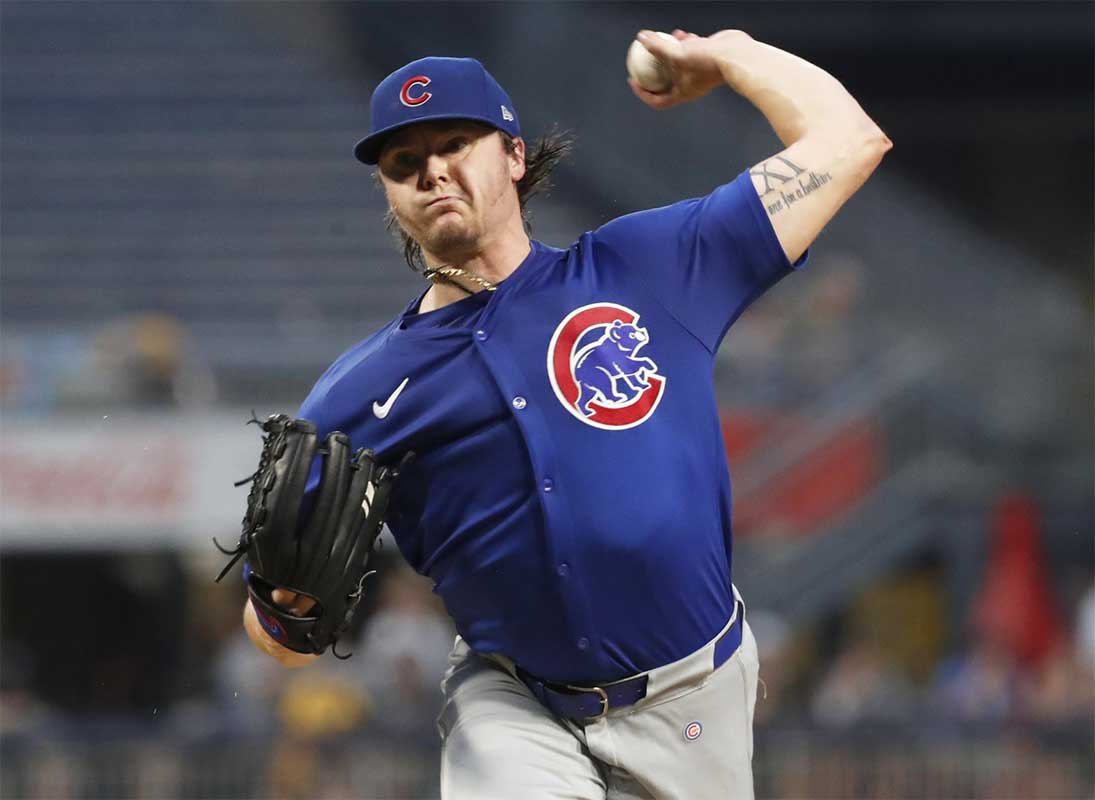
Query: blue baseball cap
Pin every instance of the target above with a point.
(436, 88)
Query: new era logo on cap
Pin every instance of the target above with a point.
(459, 88)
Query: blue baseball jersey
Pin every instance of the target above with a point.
(570, 499)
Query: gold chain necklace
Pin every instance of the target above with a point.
(446, 274)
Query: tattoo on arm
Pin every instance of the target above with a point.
(779, 171)
(768, 174)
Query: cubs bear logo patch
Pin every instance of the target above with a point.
(596, 369)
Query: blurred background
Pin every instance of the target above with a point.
(187, 238)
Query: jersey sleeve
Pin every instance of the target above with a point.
(705, 259)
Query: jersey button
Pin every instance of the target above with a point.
(563, 570)
(481, 335)
(583, 643)
(519, 402)
(549, 484)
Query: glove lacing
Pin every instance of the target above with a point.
(273, 445)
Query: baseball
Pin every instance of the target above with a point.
(646, 70)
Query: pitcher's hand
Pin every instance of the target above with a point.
(692, 61)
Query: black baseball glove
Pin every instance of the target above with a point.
(325, 559)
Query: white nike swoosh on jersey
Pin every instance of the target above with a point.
(381, 411)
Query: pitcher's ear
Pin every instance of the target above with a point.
(517, 159)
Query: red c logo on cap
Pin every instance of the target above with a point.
(405, 93)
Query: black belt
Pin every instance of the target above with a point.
(585, 703)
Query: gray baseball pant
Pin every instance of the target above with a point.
(690, 738)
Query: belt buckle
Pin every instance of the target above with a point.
(600, 692)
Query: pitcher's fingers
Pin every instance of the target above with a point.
(652, 99)
(283, 597)
(296, 604)
(663, 46)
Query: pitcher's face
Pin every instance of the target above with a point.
(450, 184)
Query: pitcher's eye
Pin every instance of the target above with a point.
(400, 165)
(455, 145)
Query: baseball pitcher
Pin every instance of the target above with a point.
(568, 492)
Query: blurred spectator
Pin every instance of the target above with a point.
(979, 684)
(917, 598)
(246, 686)
(327, 699)
(405, 651)
(319, 708)
(392, 682)
(143, 361)
(1062, 689)
(1015, 606)
(256, 695)
(861, 686)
